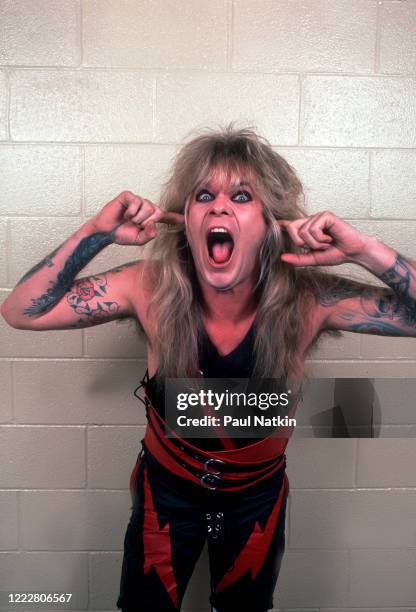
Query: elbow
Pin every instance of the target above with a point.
(11, 320)
(4, 313)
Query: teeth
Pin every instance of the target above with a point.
(218, 229)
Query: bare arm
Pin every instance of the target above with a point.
(358, 307)
(347, 304)
(49, 297)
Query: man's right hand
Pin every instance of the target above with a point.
(132, 219)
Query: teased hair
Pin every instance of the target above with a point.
(282, 291)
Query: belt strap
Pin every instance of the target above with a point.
(212, 470)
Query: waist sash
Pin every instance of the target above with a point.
(226, 470)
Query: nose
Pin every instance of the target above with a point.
(220, 204)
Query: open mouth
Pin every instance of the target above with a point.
(220, 246)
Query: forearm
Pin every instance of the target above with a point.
(396, 271)
(44, 285)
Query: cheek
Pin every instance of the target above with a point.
(192, 223)
(256, 230)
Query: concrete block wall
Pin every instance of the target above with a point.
(95, 96)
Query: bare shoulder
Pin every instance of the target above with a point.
(142, 278)
(314, 321)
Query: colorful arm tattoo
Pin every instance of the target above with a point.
(376, 310)
(83, 253)
(83, 298)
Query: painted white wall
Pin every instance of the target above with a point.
(95, 96)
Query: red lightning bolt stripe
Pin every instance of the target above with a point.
(157, 545)
(254, 552)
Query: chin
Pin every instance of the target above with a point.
(220, 282)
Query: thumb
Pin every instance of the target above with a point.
(150, 230)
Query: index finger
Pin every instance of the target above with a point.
(284, 223)
(172, 218)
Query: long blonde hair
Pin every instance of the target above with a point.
(281, 291)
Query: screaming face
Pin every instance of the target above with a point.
(225, 228)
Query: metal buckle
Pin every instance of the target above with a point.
(210, 479)
(210, 468)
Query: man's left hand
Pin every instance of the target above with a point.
(330, 240)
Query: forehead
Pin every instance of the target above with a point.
(223, 178)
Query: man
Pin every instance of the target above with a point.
(232, 289)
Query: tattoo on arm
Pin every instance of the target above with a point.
(83, 253)
(383, 312)
(84, 291)
(47, 261)
(398, 277)
(341, 291)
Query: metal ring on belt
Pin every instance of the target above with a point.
(191, 468)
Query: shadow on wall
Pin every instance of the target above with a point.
(357, 408)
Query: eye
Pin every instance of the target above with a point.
(242, 197)
(204, 196)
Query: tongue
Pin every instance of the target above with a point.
(221, 252)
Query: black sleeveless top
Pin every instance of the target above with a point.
(236, 364)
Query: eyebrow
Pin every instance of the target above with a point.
(232, 186)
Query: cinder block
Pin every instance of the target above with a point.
(309, 463)
(27, 454)
(156, 35)
(383, 577)
(338, 404)
(347, 347)
(109, 170)
(396, 431)
(325, 186)
(397, 32)
(352, 519)
(47, 573)
(386, 463)
(304, 37)
(317, 398)
(88, 106)
(398, 235)
(112, 470)
(3, 102)
(40, 33)
(362, 369)
(112, 256)
(8, 524)
(6, 414)
(40, 181)
(268, 102)
(116, 339)
(103, 393)
(393, 180)
(33, 239)
(3, 253)
(312, 578)
(396, 403)
(105, 573)
(358, 111)
(375, 347)
(74, 520)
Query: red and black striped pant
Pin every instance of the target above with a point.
(170, 522)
